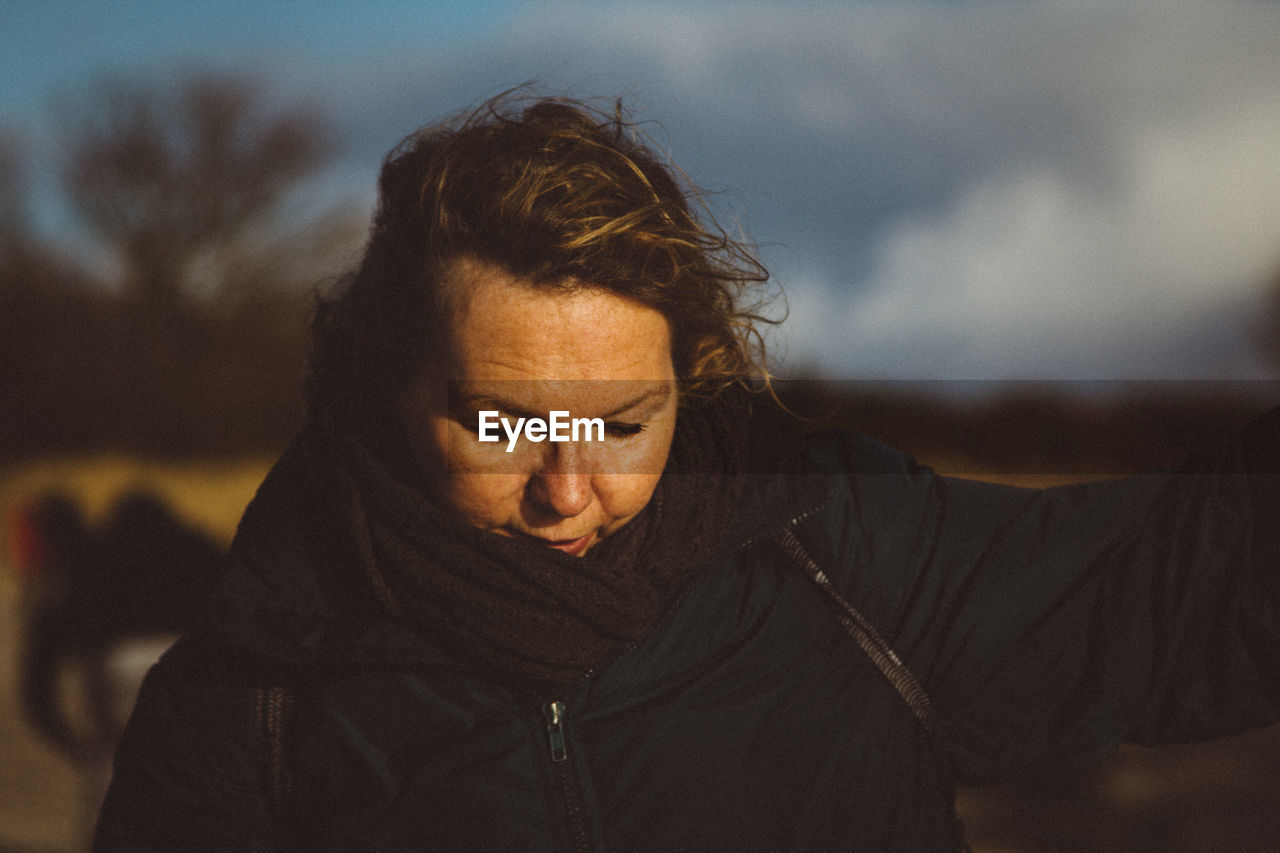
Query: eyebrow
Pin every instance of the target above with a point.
(662, 391)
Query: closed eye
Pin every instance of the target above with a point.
(623, 430)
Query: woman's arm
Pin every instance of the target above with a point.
(1049, 626)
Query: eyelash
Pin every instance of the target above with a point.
(616, 429)
(621, 430)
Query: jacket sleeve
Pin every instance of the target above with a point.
(189, 771)
(1048, 626)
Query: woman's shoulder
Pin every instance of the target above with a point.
(204, 684)
(204, 658)
(190, 765)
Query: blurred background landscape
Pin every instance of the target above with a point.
(1033, 243)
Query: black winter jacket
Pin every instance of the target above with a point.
(1046, 626)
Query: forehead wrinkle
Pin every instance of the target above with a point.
(509, 328)
(654, 394)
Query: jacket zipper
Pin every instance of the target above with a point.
(804, 516)
(575, 810)
(553, 714)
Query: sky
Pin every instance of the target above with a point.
(943, 190)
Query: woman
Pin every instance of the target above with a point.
(690, 630)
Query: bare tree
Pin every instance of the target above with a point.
(197, 341)
(12, 195)
(167, 174)
(52, 314)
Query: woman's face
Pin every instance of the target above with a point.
(523, 352)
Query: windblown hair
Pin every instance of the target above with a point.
(557, 194)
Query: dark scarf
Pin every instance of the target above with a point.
(524, 610)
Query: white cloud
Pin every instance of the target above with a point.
(1124, 186)
(1029, 274)
(988, 188)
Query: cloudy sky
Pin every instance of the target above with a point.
(949, 190)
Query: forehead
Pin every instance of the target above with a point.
(506, 329)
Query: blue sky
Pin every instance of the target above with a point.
(987, 189)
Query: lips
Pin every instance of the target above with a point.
(572, 547)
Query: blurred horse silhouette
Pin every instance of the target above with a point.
(99, 606)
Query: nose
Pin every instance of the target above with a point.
(563, 484)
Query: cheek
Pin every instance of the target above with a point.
(624, 495)
(485, 500)
(450, 461)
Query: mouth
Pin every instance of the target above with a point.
(572, 547)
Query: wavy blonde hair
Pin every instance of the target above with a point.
(558, 194)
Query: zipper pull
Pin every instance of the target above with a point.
(554, 714)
